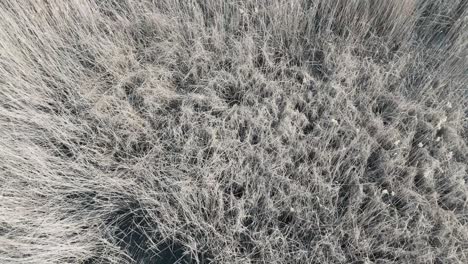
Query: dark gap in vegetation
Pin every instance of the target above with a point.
(419, 180)
(92, 260)
(435, 239)
(308, 129)
(217, 113)
(242, 131)
(383, 255)
(140, 148)
(248, 221)
(343, 199)
(300, 106)
(235, 189)
(260, 62)
(232, 94)
(317, 65)
(277, 56)
(345, 241)
(132, 230)
(63, 150)
(174, 105)
(441, 132)
(4, 228)
(225, 64)
(299, 159)
(88, 61)
(421, 183)
(246, 244)
(202, 106)
(338, 140)
(387, 109)
(400, 204)
(285, 219)
(375, 167)
(255, 137)
(300, 77)
(311, 156)
(418, 156)
(46, 107)
(107, 80)
(130, 89)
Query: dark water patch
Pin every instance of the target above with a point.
(132, 230)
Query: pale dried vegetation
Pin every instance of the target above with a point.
(216, 131)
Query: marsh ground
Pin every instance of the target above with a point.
(233, 131)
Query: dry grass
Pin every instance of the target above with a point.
(284, 131)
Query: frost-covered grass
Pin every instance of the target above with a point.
(216, 131)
